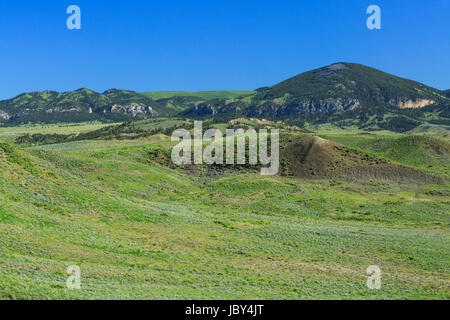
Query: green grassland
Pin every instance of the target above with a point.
(9, 134)
(207, 95)
(420, 151)
(142, 229)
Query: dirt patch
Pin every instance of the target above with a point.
(157, 137)
(313, 157)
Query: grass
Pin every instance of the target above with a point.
(207, 95)
(9, 134)
(420, 151)
(141, 230)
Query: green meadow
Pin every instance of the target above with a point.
(207, 95)
(140, 228)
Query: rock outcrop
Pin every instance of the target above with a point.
(134, 110)
(64, 109)
(327, 106)
(4, 115)
(405, 103)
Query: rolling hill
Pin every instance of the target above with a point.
(111, 105)
(140, 229)
(79, 105)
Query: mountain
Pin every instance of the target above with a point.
(79, 105)
(82, 105)
(114, 104)
(346, 94)
(342, 92)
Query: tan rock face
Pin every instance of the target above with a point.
(413, 104)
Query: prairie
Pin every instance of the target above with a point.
(142, 229)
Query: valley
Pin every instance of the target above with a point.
(141, 228)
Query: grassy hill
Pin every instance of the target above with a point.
(311, 156)
(426, 153)
(348, 94)
(351, 80)
(436, 130)
(141, 229)
(205, 95)
(113, 105)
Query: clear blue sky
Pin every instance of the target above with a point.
(214, 44)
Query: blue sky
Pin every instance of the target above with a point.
(215, 44)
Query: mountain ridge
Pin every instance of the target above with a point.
(346, 93)
(343, 93)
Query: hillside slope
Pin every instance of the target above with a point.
(139, 230)
(447, 93)
(87, 105)
(426, 153)
(204, 95)
(112, 105)
(346, 93)
(308, 156)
